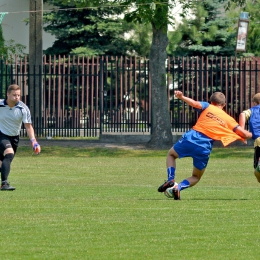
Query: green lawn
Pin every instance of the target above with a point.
(103, 204)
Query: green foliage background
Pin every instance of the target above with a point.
(206, 31)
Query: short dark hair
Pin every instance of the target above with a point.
(13, 87)
(218, 98)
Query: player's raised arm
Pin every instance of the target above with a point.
(189, 101)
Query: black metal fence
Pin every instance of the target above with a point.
(85, 97)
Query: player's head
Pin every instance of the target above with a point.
(13, 87)
(13, 93)
(256, 99)
(218, 99)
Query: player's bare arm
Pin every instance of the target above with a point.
(29, 130)
(243, 133)
(189, 101)
(242, 120)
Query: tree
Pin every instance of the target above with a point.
(103, 30)
(253, 40)
(82, 30)
(237, 3)
(2, 40)
(141, 35)
(207, 32)
(158, 15)
(7, 51)
(9, 48)
(160, 127)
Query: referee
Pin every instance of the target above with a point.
(13, 113)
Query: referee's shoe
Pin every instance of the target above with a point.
(6, 186)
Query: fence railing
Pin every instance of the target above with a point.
(83, 96)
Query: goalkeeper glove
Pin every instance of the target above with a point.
(36, 147)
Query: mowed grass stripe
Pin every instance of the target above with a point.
(71, 204)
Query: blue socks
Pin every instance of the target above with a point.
(183, 185)
(171, 173)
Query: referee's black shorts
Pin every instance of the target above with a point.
(7, 141)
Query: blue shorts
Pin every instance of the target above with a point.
(200, 155)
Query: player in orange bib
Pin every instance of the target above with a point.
(213, 124)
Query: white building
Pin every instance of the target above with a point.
(13, 26)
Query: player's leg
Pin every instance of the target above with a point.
(256, 163)
(183, 148)
(187, 183)
(8, 155)
(170, 165)
(193, 180)
(200, 160)
(6, 164)
(257, 175)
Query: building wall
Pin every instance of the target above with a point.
(13, 26)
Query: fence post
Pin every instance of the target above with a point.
(101, 94)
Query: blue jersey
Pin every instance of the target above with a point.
(253, 115)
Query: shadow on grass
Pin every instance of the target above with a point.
(236, 152)
(47, 151)
(197, 199)
(205, 199)
(90, 152)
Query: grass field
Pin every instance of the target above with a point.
(103, 204)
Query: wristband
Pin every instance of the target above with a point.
(32, 140)
(235, 128)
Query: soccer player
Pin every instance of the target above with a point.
(12, 113)
(252, 115)
(213, 124)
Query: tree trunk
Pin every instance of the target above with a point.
(160, 124)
